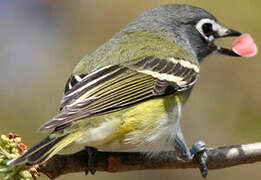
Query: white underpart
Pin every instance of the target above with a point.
(161, 139)
(95, 136)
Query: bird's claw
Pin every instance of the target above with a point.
(200, 154)
(92, 152)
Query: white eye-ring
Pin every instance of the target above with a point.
(207, 28)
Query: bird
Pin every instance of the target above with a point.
(129, 93)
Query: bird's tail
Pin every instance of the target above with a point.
(44, 150)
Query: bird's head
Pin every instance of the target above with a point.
(192, 28)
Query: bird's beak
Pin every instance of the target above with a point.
(226, 32)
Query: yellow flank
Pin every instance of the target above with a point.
(140, 120)
(145, 114)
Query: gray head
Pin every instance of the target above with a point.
(191, 27)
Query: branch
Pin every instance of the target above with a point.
(220, 157)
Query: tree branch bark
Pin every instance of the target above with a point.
(219, 157)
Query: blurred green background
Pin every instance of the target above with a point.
(41, 41)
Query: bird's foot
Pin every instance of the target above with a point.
(92, 152)
(199, 152)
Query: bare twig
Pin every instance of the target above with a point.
(220, 157)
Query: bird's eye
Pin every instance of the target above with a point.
(207, 29)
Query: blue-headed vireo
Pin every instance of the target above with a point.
(129, 93)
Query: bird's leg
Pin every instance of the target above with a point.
(199, 151)
(92, 152)
(181, 147)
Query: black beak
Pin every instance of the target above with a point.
(227, 33)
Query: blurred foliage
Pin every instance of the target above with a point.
(41, 41)
(11, 147)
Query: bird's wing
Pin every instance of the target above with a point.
(118, 86)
